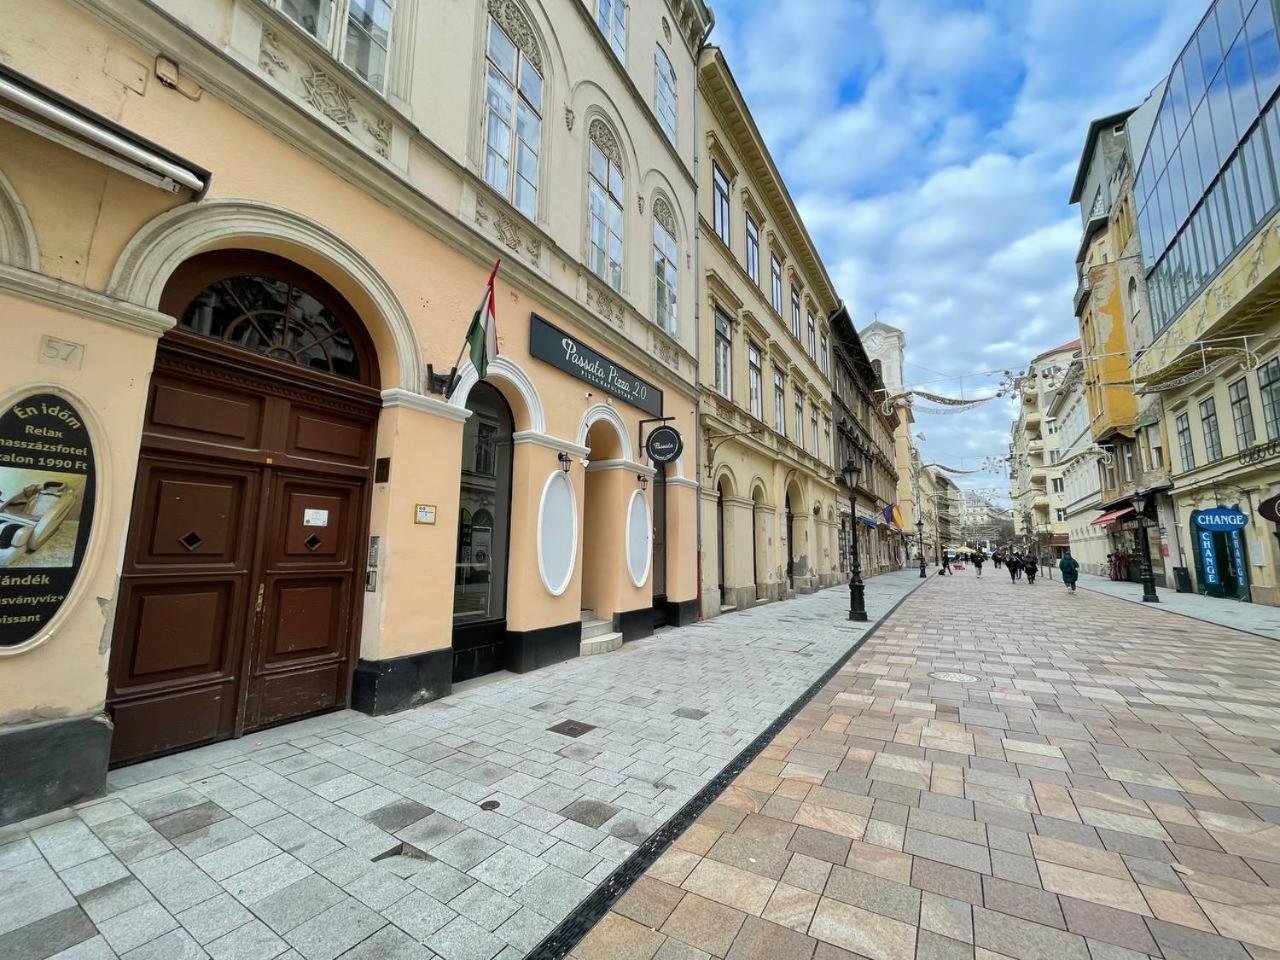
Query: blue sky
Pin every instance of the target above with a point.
(931, 146)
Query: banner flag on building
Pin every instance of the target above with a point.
(482, 337)
(893, 515)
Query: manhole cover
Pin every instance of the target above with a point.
(489, 805)
(950, 676)
(571, 728)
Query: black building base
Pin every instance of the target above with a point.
(531, 649)
(386, 686)
(634, 624)
(53, 764)
(681, 613)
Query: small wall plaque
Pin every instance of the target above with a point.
(315, 518)
(424, 513)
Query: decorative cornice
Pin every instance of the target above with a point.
(421, 403)
(551, 443)
(84, 302)
(621, 464)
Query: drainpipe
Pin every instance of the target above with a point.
(697, 310)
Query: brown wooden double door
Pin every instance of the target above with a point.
(241, 587)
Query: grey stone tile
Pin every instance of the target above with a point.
(111, 899)
(440, 880)
(396, 816)
(1024, 940)
(265, 878)
(335, 931)
(297, 903)
(957, 853)
(167, 804)
(430, 831)
(571, 859)
(174, 945)
(484, 906)
(131, 838)
(378, 889)
(389, 944)
(234, 857)
(133, 928)
(95, 948)
(460, 939)
(931, 946)
(1008, 866)
(215, 836)
(175, 881)
(592, 813)
(192, 818)
(946, 916)
(466, 849)
(553, 893)
(1183, 943)
(211, 919)
(525, 929)
(93, 874)
(419, 915)
(252, 941)
(896, 900)
(67, 843)
(1029, 903)
(507, 870)
(47, 936)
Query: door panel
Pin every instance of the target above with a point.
(204, 411)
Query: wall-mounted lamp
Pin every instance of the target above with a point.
(565, 460)
(644, 481)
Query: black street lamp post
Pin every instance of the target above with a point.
(920, 545)
(1144, 551)
(857, 591)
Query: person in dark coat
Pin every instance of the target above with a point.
(997, 558)
(1031, 567)
(1014, 564)
(946, 565)
(1070, 568)
(978, 561)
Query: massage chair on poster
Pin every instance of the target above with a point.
(31, 517)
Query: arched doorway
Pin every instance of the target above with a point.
(241, 585)
(484, 520)
(759, 543)
(603, 517)
(791, 551)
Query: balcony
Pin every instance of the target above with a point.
(1083, 289)
(1039, 475)
(1035, 446)
(1031, 416)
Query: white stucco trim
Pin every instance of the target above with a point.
(507, 370)
(160, 247)
(682, 482)
(548, 441)
(631, 465)
(82, 301)
(558, 476)
(648, 521)
(399, 397)
(18, 244)
(603, 411)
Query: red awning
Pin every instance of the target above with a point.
(1112, 516)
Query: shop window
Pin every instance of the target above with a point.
(480, 579)
(513, 112)
(606, 191)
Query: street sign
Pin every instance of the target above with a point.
(1221, 519)
(664, 444)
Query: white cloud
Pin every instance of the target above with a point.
(931, 146)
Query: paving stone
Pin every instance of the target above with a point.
(1024, 940)
(213, 918)
(174, 945)
(704, 924)
(93, 874)
(957, 853)
(507, 870)
(460, 939)
(1110, 926)
(947, 917)
(466, 849)
(297, 903)
(252, 941)
(760, 940)
(114, 898)
(133, 928)
(873, 893)
(931, 946)
(335, 930)
(1183, 943)
(389, 944)
(862, 932)
(175, 881)
(1029, 903)
(47, 936)
(184, 821)
(524, 930)
(649, 902)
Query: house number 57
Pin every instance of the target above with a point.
(61, 353)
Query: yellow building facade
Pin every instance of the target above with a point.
(233, 250)
(770, 521)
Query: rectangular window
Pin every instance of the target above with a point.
(753, 250)
(720, 202)
(605, 197)
(1242, 414)
(613, 24)
(1057, 485)
(1128, 464)
(813, 433)
(314, 16)
(664, 278)
(795, 311)
(665, 93)
(1209, 427)
(365, 49)
(1269, 387)
(799, 438)
(755, 381)
(813, 337)
(775, 279)
(1061, 514)
(826, 436)
(779, 401)
(724, 355)
(513, 123)
(823, 362)
(1185, 450)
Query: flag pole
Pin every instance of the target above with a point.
(453, 371)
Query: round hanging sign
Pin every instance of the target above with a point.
(1270, 507)
(664, 444)
(47, 490)
(1221, 519)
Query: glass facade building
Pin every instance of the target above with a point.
(1208, 178)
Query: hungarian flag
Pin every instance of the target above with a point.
(482, 336)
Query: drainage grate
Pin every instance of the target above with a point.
(571, 728)
(950, 676)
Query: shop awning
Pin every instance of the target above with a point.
(1112, 516)
(867, 521)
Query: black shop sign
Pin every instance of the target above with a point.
(47, 488)
(664, 444)
(552, 345)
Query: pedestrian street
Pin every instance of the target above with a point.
(1001, 771)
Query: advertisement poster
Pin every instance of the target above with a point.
(46, 510)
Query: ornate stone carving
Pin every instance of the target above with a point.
(606, 306)
(1222, 294)
(270, 57)
(603, 138)
(640, 202)
(507, 229)
(328, 96)
(568, 118)
(380, 130)
(664, 351)
(1257, 256)
(512, 19)
(662, 213)
(534, 247)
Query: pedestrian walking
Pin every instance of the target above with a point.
(1070, 571)
(978, 561)
(1014, 564)
(946, 566)
(1031, 566)
(997, 558)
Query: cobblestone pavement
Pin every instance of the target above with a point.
(1254, 617)
(1001, 771)
(287, 843)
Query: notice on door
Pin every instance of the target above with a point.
(47, 487)
(315, 518)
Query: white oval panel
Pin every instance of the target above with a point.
(557, 533)
(639, 535)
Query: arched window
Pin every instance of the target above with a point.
(665, 93)
(664, 266)
(513, 108)
(270, 306)
(605, 195)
